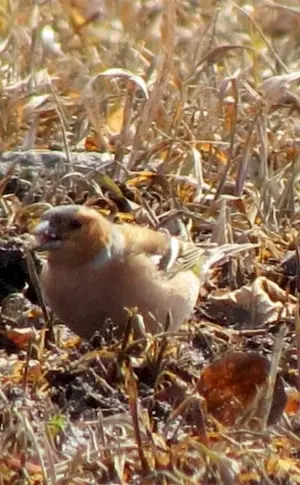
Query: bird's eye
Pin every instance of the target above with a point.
(75, 224)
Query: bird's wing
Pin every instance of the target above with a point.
(171, 255)
(200, 260)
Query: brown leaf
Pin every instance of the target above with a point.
(231, 383)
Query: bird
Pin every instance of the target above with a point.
(97, 270)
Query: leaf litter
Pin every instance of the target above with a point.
(183, 116)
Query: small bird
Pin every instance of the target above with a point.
(96, 269)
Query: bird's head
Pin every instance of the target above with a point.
(72, 234)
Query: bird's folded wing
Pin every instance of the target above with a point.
(171, 255)
(200, 260)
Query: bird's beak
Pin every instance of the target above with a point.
(46, 239)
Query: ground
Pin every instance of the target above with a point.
(182, 115)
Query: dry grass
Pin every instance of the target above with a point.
(181, 114)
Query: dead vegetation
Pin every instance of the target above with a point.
(176, 114)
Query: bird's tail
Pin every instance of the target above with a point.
(209, 257)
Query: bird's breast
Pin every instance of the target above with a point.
(84, 297)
